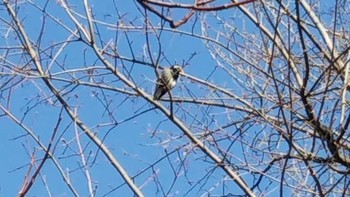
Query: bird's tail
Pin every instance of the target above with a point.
(157, 94)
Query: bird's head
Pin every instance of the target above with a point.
(176, 69)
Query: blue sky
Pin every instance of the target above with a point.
(137, 134)
(130, 141)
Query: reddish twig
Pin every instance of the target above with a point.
(197, 6)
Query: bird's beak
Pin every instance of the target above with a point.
(182, 70)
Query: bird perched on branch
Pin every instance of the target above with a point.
(167, 81)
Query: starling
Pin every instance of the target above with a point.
(166, 81)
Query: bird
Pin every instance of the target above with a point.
(167, 81)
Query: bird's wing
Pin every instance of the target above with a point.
(166, 76)
(165, 82)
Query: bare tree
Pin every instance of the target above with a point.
(261, 110)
